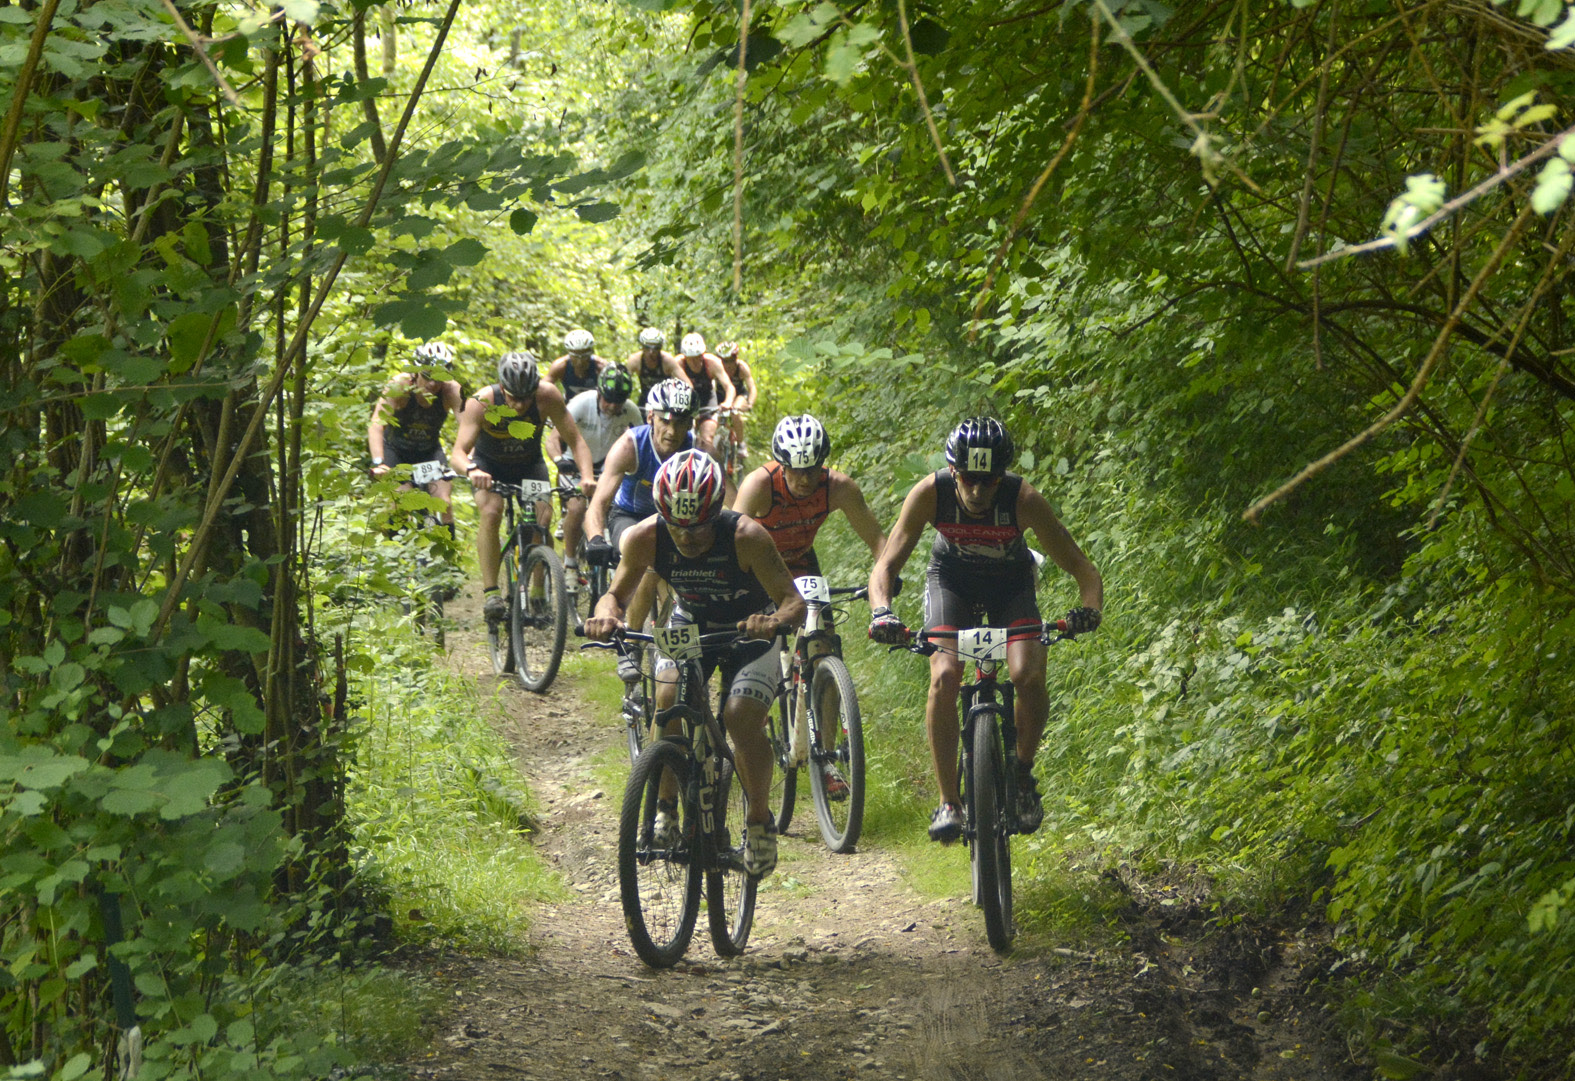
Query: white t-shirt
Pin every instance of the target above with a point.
(600, 430)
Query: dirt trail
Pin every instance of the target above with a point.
(849, 972)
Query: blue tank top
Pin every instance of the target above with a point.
(634, 494)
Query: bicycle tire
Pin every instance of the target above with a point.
(500, 633)
(991, 849)
(538, 628)
(729, 889)
(834, 708)
(784, 778)
(659, 888)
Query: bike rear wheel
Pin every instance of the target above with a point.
(837, 739)
(500, 633)
(658, 885)
(784, 778)
(992, 854)
(729, 889)
(539, 626)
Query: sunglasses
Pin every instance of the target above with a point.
(674, 418)
(977, 480)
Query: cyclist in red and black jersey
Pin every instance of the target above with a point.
(981, 566)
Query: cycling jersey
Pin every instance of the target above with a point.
(574, 383)
(417, 428)
(600, 430)
(634, 494)
(793, 522)
(710, 589)
(507, 458)
(649, 378)
(990, 542)
(707, 393)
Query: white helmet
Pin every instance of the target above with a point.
(651, 338)
(800, 442)
(578, 341)
(670, 396)
(435, 355)
(692, 346)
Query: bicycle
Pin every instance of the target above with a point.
(728, 451)
(532, 647)
(817, 722)
(592, 579)
(988, 744)
(659, 877)
(430, 588)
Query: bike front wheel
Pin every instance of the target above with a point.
(539, 621)
(837, 751)
(729, 889)
(784, 777)
(992, 854)
(658, 877)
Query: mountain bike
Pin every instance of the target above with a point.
(816, 723)
(987, 748)
(531, 575)
(659, 877)
(590, 581)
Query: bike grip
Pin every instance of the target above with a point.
(579, 630)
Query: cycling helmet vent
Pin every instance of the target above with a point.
(671, 396)
(615, 384)
(578, 341)
(435, 355)
(688, 488)
(727, 350)
(800, 442)
(518, 375)
(980, 445)
(651, 338)
(692, 346)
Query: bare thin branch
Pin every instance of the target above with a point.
(924, 103)
(199, 48)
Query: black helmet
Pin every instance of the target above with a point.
(615, 384)
(518, 375)
(980, 445)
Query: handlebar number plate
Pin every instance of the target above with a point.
(813, 588)
(534, 490)
(681, 643)
(982, 643)
(426, 472)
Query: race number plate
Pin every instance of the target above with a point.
(534, 489)
(982, 643)
(681, 643)
(816, 595)
(426, 472)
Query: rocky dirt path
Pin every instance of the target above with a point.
(849, 972)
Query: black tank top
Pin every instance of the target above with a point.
(574, 383)
(713, 588)
(495, 444)
(992, 541)
(417, 428)
(706, 392)
(649, 379)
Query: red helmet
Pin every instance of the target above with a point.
(688, 488)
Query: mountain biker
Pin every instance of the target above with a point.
(981, 565)
(407, 421)
(651, 364)
(791, 496)
(743, 379)
(499, 440)
(624, 495)
(725, 573)
(602, 415)
(703, 371)
(578, 369)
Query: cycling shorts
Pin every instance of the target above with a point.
(751, 671)
(511, 472)
(619, 520)
(955, 601)
(394, 454)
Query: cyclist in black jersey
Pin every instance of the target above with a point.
(500, 434)
(579, 368)
(407, 421)
(725, 572)
(703, 371)
(651, 364)
(981, 566)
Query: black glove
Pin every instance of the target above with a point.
(598, 551)
(887, 629)
(1082, 620)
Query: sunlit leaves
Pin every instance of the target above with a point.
(1553, 183)
(1514, 115)
(1423, 195)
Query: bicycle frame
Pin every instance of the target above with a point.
(798, 663)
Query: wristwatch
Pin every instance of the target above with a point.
(377, 461)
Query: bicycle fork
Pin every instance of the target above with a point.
(979, 698)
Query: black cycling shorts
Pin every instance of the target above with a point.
(394, 454)
(618, 521)
(511, 472)
(960, 601)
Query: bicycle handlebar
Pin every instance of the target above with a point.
(709, 640)
(925, 643)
